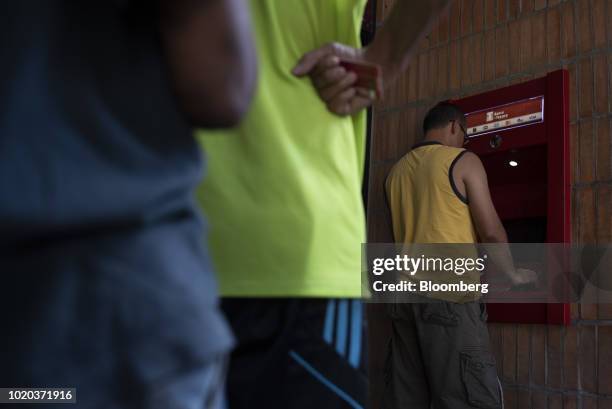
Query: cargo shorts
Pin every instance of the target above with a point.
(439, 357)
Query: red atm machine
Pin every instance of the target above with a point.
(521, 133)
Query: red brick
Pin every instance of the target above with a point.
(502, 11)
(586, 221)
(455, 23)
(501, 52)
(413, 75)
(609, 20)
(538, 351)
(553, 34)
(574, 313)
(586, 160)
(383, 145)
(526, 44)
(489, 56)
(380, 11)
(586, 88)
(390, 5)
(602, 147)
(538, 35)
(496, 344)
(423, 74)
(523, 399)
(554, 357)
(510, 399)
(509, 352)
(540, 4)
(377, 182)
(476, 58)
(514, 7)
(467, 10)
(604, 223)
(455, 66)
(489, 14)
(605, 310)
(604, 342)
(538, 400)
(407, 135)
(424, 44)
(570, 358)
(568, 36)
(599, 23)
(588, 358)
(570, 402)
(391, 94)
(574, 160)
(583, 20)
(417, 129)
(555, 401)
(442, 82)
(600, 67)
(431, 73)
(466, 61)
(433, 38)
(478, 16)
(523, 349)
(376, 193)
(573, 94)
(514, 44)
(589, 402)
(443, 28)
(379, 224)
(588, 311)
(526, 7)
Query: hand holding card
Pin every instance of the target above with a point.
(369, 76)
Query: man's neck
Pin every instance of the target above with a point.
(437, 137)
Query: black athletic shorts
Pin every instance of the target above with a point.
(297, 353)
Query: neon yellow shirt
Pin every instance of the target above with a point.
(283, 190)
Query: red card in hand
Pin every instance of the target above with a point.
(369, 76)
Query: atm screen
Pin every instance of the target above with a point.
(528, 230)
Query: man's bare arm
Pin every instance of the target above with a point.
(393, 47)
(470, 173)
(397, 40)
(211, 58)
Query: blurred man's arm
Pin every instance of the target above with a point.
(211, 58)
(392, 49)
(471, 179)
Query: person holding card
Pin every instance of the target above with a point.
(284, 202)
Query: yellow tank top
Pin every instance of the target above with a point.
(426, 207)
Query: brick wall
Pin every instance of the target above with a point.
(482, 45)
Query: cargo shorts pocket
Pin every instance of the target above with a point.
(441, 313)
(479, 377)
(484, 314)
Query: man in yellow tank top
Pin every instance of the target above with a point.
(439, 355)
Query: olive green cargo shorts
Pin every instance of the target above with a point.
(439, 357)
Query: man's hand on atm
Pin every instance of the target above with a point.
(523, 279)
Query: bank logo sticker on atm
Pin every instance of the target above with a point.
(519, 113)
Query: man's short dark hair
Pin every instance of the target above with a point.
(440, 115)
